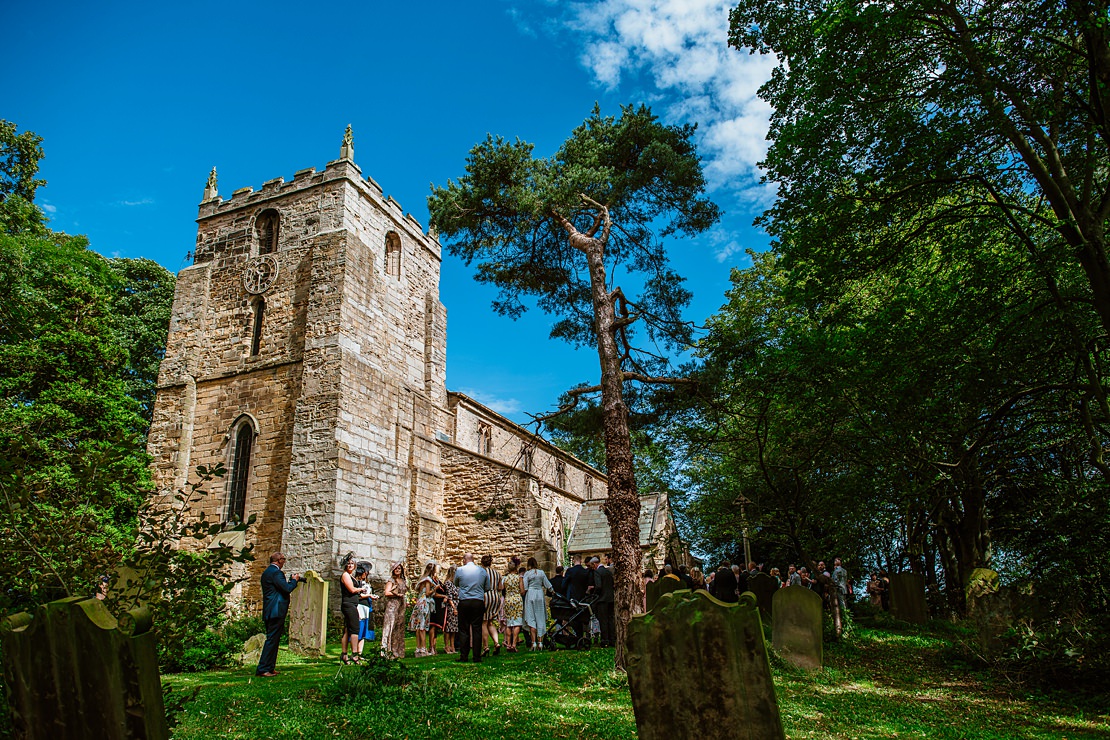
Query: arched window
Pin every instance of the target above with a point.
(266, 228)
(240, 472)
(527, 458)
(393, 254)
(258, 306)
(485, 438)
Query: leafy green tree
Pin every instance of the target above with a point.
(141, 306)
(560, 230)
(881, 110)
(74, 470)
(922, 395)
(19, 163)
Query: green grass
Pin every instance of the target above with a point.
(880, 684)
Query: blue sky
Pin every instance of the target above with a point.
(137, 102)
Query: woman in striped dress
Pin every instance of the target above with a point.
(495, 600)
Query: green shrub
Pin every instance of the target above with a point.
(243, 628)
(365, 681)
(1073, 656)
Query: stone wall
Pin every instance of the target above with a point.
(506, 440)
(476, 485)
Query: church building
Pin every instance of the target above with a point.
(307, 353)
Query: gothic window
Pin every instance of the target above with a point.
(266, 228)
(258, 307)
(560, 474)
(240, 472)
(485, 438)
(526, 458)
(393, 254)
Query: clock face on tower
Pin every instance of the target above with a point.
(260, 274)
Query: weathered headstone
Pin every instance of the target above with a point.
(796, 626)
(252, 649)
(994, 609)
(656, 589)
(697, 668)
(308, 616)
(907, 597)
(764, 587)
(72, 672)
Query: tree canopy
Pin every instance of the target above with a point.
(80, 341)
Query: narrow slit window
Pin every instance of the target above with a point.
(393, 254)
(526, 454)
(485, 437)
(240, 472)
(259, 306)
(560, 474)
(266, 228)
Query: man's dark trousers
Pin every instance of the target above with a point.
(605, 620)
(267, 662)
(470, 628)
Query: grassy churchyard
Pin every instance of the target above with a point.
(879, 683)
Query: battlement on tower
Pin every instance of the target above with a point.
(237, 215)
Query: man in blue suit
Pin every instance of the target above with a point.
(275, 605)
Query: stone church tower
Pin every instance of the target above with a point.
(306, 353)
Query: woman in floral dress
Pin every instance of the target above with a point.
(514, 604)
(451, 623)
(393, 629)
(420, 621)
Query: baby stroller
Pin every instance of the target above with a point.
(572, 623)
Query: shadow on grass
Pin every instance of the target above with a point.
(879, 684)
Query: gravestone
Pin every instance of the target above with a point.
(796, 626)
(657, 588)
(764, 588)
(252, 649)
(907, 597)
(994, 609)
(72, 672)
(697, 668)
(308, 616)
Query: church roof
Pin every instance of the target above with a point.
(591, 531)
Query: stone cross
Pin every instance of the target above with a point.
(72, 671)
(796, 626)
(907, 597)
(697, 668)
(308, 616)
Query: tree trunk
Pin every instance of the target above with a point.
(622, 508)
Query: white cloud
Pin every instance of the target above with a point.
(503, 406)
(47, 208)
(680, 47)
(129, 203)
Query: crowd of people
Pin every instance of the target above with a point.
(480, 609)
(730, 580)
